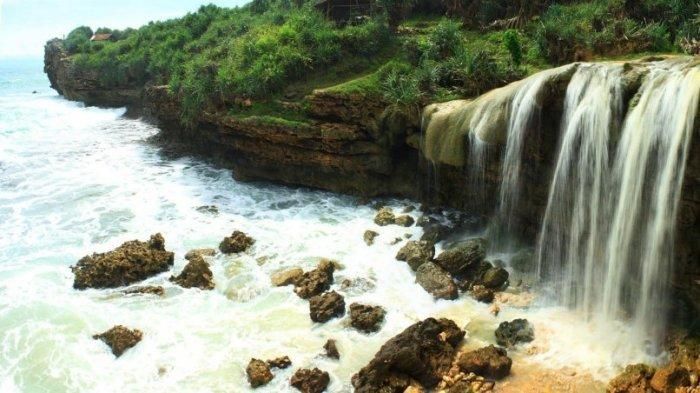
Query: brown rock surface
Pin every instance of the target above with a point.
(258, 373)
(423, 352)
(323, 308)
(120, 339)
(490, 362)
(310, 380)
(131, 262)
(366, 318)
(237, 242)
(196, 274)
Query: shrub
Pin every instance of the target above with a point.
(512, 43)
(78, 40)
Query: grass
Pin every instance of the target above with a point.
(271, 51)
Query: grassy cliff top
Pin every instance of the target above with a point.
(408, 53)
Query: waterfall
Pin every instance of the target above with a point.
(525, 110)
(608, 231)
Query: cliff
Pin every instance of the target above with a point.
(357, 144)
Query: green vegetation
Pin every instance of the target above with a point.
(408, 53)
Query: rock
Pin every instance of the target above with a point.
(634, 379)
(524, 261)
(669, 378)
(259, 373)
(286, 277)
(196, 274)
(423, 352)
(405, 221)
(146, 290)
(461, 387)
(509, 334)
(396, 240)
(366, 318)
(482, 294)
(459, 259)
(369, 237)
(331, 349)
(436, 281)
(281, 362)
(120, 339)
(208, 209)
(131, 262)
(416, 253)
(237, 242)
(316, 281)
(322, 308)
(494, 278)
(310, 380)
(384, 217)
(203, 252)
(408, 209)
(489, 362)
(435, 232)
(495, 310)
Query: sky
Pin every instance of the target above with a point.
(25, 25)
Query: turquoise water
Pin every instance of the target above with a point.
(76, 180)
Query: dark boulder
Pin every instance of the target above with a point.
(416, 253)
(310, 380)
(463, 257)
(423, 352)
(258, 373)
(120, 339)
(494, 278)
(436, 281)
(237, 242)
(281, 362)
(196, 274)
(366, 318)
(331, 348)
(489, 362)
(316, 281)
(323, 308)
(509, 334)
(129, 263)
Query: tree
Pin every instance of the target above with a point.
(396, 11)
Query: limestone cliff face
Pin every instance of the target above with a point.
(77, 85)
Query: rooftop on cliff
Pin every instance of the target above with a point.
(407, 54)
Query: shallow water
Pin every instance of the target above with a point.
(74, 180)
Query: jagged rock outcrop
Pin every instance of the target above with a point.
(129, 263)
(196, 274)
(310, 380)
(237, 242)
(422, 353)
(258, 373)
(366, 318)
(120, 339)
(324, 307)
(316, 281)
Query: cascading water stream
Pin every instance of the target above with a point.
(607, 235)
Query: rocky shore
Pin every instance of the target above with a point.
(366, 148)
